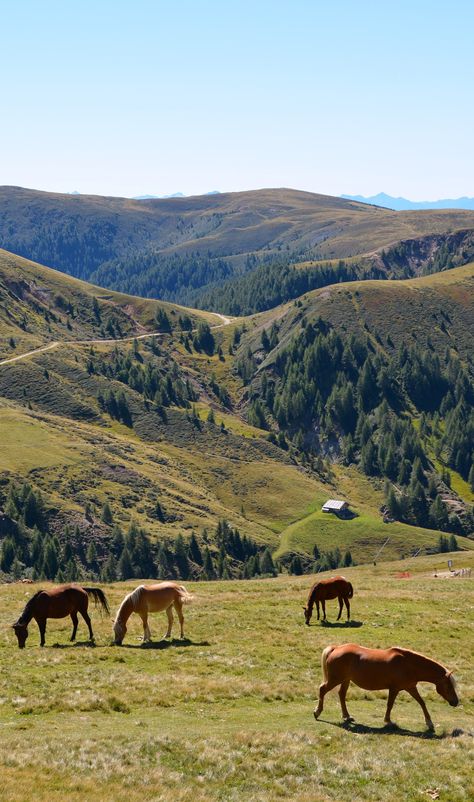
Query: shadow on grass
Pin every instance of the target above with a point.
(165, 644)
(385, 729)
(341, 624)
(78, 644)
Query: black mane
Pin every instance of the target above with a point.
(27, 612)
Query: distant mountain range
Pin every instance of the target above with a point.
(402, 204)
(174, 195)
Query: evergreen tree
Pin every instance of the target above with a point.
(267, 565)
(181, 558)
(125, 567)
(106, 514)
(194, 550)
(208, 565)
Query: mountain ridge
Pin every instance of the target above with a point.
(403, 204)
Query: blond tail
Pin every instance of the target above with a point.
(186, 598)
(324, 661)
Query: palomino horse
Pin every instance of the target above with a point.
(151, 599)
(336, 587)
(58, 603)
(376, 669)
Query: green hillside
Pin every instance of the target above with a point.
(177, 248)
(115, 429)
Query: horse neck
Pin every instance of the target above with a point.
(125, 609)
(312, 596)
(29, 610)
(25, 617)
(430, 670)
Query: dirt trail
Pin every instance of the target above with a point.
(225, 322)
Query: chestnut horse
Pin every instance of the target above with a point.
(336, 587)
(151, 599)
(58, 603)
(376, 669)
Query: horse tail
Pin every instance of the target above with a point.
(324, 661)
(100, 599)
(351, 591)
(185, 596)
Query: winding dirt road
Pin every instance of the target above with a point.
(56, 343)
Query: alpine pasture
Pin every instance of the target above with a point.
(227, 713)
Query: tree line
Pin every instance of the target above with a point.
(390, 412)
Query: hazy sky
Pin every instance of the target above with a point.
(157, 96)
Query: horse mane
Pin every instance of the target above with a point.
(312, 594)
(430, 660)
(29, 604)
(133, 597)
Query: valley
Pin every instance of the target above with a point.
(152, 410)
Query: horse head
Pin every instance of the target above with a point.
(307, 615)
(447, 689)
(119, 632)
(21, 632)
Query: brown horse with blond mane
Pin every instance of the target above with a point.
(58, 603)
(338, 587)
(396, 669)
(151, 599)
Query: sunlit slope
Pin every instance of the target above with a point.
(58, 436)
(39, 305)
(437, 308)
(116, 240)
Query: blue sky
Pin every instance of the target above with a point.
(159, 96)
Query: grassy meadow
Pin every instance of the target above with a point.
(227, 713)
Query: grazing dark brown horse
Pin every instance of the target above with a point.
(336, 587)
(376, 669)
(58, 603)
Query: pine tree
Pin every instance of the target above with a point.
(181, 558)
(91, 555)
(296, 566)
(108, 572)
(125, 567)
(106, 514)
(194, 550)
(208, 565)
(267, 565)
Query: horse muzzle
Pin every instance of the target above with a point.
(454, 704)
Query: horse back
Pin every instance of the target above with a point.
(161, 596)
(62, 601)
(371, 669)
(332, 588)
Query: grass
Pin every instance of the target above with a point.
(227, 714)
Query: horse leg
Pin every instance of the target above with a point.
(323, 605)
(414, 692)
(342, 698)
(323, 690)
(86, 618)
(42, 628)
(392, 695)
(339, 598)
(348, 608)
(179, 609)
(74, 625)
(146, 628)
(317, 608)
(169, 613)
